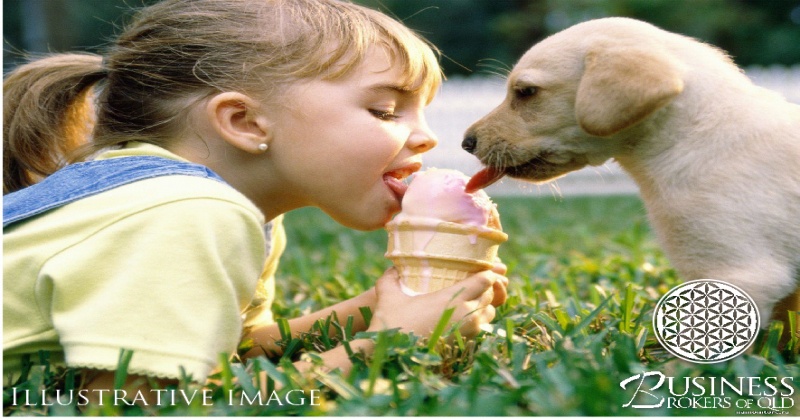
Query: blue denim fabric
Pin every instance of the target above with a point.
(84, 179)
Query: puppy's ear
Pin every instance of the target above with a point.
(622, 86)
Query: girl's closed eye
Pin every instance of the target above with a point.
(385, 115)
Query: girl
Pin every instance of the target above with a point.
(211, 118)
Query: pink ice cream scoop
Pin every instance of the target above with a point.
(439, 195)
(443, 234)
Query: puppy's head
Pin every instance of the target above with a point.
(570, 95)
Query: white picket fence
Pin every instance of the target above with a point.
(462, 101)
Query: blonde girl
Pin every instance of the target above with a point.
(203, 124)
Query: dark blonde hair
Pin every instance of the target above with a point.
(177, 52)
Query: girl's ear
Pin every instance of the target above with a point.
(240, 121)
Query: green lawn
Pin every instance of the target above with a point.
(585, 274)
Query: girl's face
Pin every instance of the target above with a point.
(344, 145)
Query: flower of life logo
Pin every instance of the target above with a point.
(706, 321)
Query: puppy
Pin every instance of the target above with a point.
(716, 158)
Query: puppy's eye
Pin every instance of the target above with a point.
(525, 92)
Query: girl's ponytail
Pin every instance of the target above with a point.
(46, 115)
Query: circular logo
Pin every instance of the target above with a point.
(706, 321)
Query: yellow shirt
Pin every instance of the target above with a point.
(168, 267)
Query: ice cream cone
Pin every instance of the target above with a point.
(432, 256)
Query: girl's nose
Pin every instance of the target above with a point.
(422, 139)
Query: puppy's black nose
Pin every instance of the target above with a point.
(469, 143)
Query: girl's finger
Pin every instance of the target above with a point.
(500, 291)
(487, 297)
(470, 288)
(472, 323)
(488, 314)
(499, 268)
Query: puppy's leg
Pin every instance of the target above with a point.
(765, 280)
(770, 283)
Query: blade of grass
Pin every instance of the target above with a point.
(294, 345)
(459, 340)
(794, 341)
(244, 379)
(509, 336)
(337, 383)
(348, 328)
(273, 373)
(366, 312)
(626, 323)
(378, 359)
(324, 332)
(440, 327)
(226, 374)
(285, 330)
(549, 322)
(121, 374)
(589, 318)
(26, 369)
(562, 318)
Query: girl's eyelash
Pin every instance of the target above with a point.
(383, 115)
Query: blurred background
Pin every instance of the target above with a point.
(479, 40)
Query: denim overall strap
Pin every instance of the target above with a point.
(84, 179)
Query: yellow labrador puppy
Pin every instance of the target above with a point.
(716, 158)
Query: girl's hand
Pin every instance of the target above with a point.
(474, 300)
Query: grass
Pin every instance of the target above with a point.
(585, 274)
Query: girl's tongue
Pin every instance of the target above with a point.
(397, 179)
(397, 186)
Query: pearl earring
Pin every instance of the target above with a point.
(263, 147)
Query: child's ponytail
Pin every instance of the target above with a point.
(46, 115)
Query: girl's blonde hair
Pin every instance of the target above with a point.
(177, 52)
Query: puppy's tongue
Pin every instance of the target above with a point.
(485, 177)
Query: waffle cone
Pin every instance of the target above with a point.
(432, 256)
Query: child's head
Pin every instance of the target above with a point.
(178, 52)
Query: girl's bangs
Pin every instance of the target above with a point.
(420, 67)
(418, 58)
